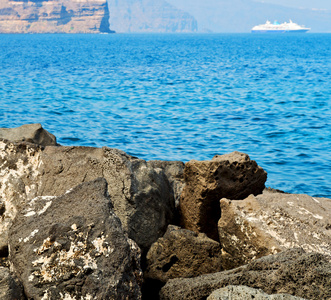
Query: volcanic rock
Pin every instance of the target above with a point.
(182, 253)
(232, 176)
(141, 195)
(70, 246)
(293, 272)
(174, 170)
(240, 292)
(273, 222)
(32, 133)
(10, 287)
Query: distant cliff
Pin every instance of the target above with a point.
(54, 16)
(149, 16)
(92, 16)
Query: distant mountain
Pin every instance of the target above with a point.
(149, 16)
(242, 15)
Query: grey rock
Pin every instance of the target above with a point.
(32, 133)
(70, 246)
(232, 176)
(182, 253)
(174, 170)
(240, 292)
(293, 272)
(273, 222)
(10, 287)
(141, 195)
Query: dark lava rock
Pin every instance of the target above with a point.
(73, 246)
(182, 253)
(10, 287)
(32, 133)
(292, 272)
(232, 176)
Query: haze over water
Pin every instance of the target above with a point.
(180, 97)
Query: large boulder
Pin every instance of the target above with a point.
(293, 272)
(10, 287)
(70, 246)
(273, 222)
(182, 253)
(240, 292)
(232, 176)
(32, 133)
(142, 196)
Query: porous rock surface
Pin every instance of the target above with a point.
(240, 292)
(232, 176)
(272, 222)
(141, 195)
(32, 133)
(69, 246)
(293, 272)
(182, 253)
(10, 287)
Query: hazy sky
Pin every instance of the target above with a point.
(321, 4)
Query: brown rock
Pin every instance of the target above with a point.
(182, 253)
(232, 176)
(10, 287)
(240, 292)
(272, 222)
(32, 133)
(293, 272)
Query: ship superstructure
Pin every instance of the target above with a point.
(275, 27)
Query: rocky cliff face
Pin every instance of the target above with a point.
(149, 16)
(54, 16)
(92, 16)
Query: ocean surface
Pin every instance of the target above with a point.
(180, 97)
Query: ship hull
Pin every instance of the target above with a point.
(280, 31)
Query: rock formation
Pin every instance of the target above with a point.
(32, 133)
(67, 246)
(54, 16)
(273, 222)
(92, 16)
(293, 272)
(183, 253)
(244, 292)
(149, 16)
(232, 176)
(74, 221)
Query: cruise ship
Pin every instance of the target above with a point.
(275, 27)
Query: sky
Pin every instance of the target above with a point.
(320, 4)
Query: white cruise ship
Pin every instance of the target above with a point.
(279, 28)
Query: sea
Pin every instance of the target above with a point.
(180, 97)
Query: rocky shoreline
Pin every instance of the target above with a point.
(97, 223)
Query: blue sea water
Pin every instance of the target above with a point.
(180, 97)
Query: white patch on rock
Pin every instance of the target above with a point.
(102, 247)
(61, 262)
(30, 213)
(315, 200)
(74, 227)
(32, 234)
(67, 296)
(48, 204)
